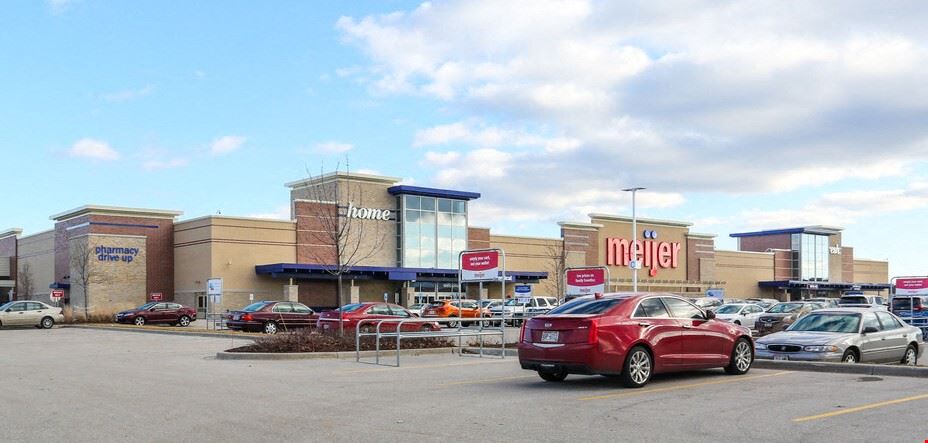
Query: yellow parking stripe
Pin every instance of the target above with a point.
(443, 365)
(628, 393)
(486, 380)
(860, 408)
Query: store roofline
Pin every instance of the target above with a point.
(650, 221)
(817, 229)
(391, 273)
(432, 192)
(329, 176)
(115, 211)
(11, 232)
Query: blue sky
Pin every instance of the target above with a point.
(732, 120)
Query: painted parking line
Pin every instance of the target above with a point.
(628, 393)
(441, 365)
(486, 380)
(861, 408)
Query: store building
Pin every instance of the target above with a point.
(398, 242)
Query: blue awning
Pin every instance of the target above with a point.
(57, 285)
(432, 192)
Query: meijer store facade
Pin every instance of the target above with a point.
(404, 243)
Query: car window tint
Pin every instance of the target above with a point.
(870, 320)
(18, 307)
(888, 321)
(380, 309)
(34, 307)
(682, 309)
(283, 307)
(301, 308)
(590, 306)
(652, 308)
(398, 311)
(176, 306)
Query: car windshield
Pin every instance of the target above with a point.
(784, 308)
(853, 301)
(898, 303)
(350, 307)
(436, 304)
(728, 309)
(514, 302)
(594, 306)
(145, 306)
(825, 322)
(254, 307)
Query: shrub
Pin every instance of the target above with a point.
(95, 315)
(307, 340)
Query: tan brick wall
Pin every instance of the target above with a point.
(38, 251)
(113, 284)
(871, 271)
(532, 255)
(847, 264)
(741, 270)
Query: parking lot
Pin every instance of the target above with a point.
(89, 385)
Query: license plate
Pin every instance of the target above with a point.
(237, 317)
(325, 326)
(549, 336)
(781, 357)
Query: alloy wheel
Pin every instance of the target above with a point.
(184, 321)
(850, 358)
(139, 321)
(640, 367)
(910, 357)
(270, 328)
(743, 356)
(47, 323)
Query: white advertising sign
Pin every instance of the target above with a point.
(586, 281)
(480, 266)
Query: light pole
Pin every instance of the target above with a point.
(634, 239)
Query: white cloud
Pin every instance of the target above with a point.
(160, 164)
(129, 94)
(279, 213)
(333, 147)
(226, 144)
(93, 149)
(200, 75)
(60, 6)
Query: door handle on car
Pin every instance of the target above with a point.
(644, 324)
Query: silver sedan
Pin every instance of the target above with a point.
(847, 335)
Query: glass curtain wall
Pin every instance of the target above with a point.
(813, 256)
(433, 231)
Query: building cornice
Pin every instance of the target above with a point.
(11, 232)
(342, 175)
(580, 226)
(117, 211)
(650, 221)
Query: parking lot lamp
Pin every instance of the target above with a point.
(634, 260)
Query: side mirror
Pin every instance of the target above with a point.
(870, 329)
(710, 315)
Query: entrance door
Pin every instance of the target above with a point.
(201, 306)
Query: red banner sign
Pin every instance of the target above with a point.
(156, 296)
(586, 281)
(478, 266)
(57, 294)
(912, 286)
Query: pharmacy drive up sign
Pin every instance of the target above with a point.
(586, 281)
(480, 266)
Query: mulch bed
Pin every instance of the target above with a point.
(307, 340)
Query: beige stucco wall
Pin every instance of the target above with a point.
(742, 270)
(835, 264)
(38, 251)
(230, 248)
(111, 285)
(871, 271)
(533, 255)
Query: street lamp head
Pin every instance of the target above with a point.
(633, 189)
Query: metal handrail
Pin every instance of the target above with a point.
(400, 334)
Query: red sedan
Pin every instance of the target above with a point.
(355, 312)
(271, 316)
(632, 336)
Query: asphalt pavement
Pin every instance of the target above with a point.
(91, 385)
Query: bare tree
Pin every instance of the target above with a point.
(341, 241)
(83, 272)
(25, 284)
(556, 256)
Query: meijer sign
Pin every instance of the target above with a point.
(652, 254)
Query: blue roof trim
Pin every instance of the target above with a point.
(769, 232)
(389, 273)
(432, 192)
(59, 286)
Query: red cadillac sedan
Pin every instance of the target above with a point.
(355, 312)
(632, 336)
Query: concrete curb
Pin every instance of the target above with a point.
(166, 332)
(843, 368)
(510, 352)
(384, 355)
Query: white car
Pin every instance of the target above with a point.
(744, 314)
(417, 308)
(516, 310)
(29, 313)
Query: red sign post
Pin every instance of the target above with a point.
(57, 294)
(155, 296)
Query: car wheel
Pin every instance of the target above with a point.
(184, 321)
(47, 323)
(270, 328)
(638, 367)
(554, 376)
(742, 356)
(452, 324)
(425, 328)
(911, 356)
(850, 356)
(139, 321)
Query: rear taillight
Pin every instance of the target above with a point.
(593, 336)
(247, 317)
(522, 334)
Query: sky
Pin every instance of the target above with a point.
(735, 116)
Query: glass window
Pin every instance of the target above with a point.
(445, 205)
(428, 203)
(444, 219)
(870, 320)
(351, 307)
(379, 309)
(301, 308)
(682, 309)
(826, 322)
(889, 322)
(35, 307)
(411, 229)
(427, 218)
(459, 220)
(17, 307)
(283, 307)
(412, 202)
(412, 216)
(652, 308)
(399, 311)
(460, 206)
(587, 306)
